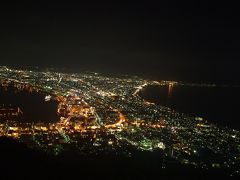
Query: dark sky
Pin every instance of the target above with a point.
(192, 41)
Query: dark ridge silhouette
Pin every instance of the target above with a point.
(19, 161)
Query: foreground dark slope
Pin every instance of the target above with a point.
(18, 161)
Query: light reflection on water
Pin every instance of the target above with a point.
(218, 105)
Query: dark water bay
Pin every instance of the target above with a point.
(219, 105)
(32, 104)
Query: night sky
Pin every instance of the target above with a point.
(176, 40)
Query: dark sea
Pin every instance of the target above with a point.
(218, 105)
(32, 104)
